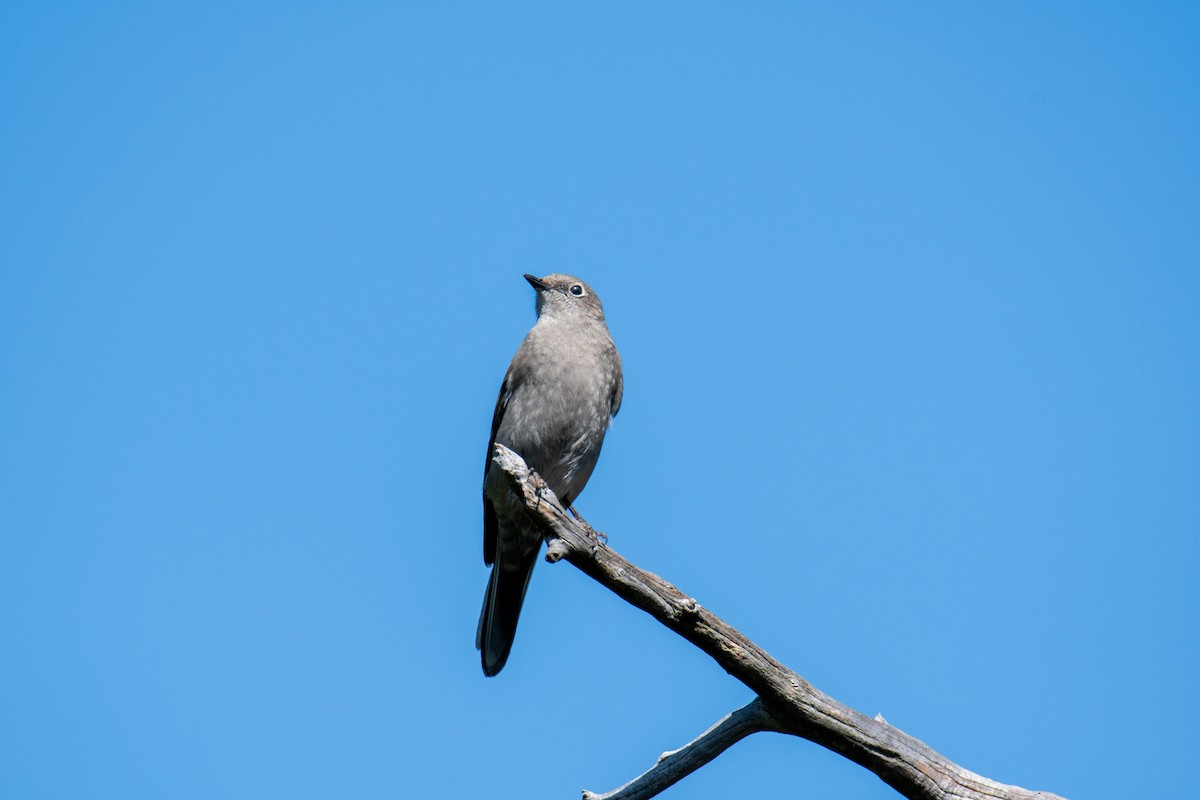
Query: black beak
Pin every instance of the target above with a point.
(536, 282)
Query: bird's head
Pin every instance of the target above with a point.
(565, 296)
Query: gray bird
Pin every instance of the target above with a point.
(559, 395)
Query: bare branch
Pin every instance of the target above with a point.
(910, 766)
(676, 765)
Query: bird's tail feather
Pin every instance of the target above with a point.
(501, 609)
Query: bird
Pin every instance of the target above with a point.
(557, 401)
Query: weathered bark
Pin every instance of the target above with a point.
(673, 766)
(785, 702)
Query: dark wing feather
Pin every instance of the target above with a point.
(618, 386)
(491, 527)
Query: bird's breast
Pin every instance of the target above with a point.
(561, 407)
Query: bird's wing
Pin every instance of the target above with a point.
(490, 524)
(618, 388)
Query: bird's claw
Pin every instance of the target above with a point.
(599, 538)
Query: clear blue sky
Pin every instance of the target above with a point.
(907, 299)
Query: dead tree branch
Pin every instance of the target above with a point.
(785, 701)
(675, 765)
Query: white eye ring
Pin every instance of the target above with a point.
(577, 290)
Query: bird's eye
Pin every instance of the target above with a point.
(577, 290)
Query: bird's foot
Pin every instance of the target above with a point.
(598, 537)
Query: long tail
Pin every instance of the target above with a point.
(501, 609)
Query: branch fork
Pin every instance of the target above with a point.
(784, 702)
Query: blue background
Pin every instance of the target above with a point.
(907, 298)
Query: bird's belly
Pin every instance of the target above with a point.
(558, 433)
